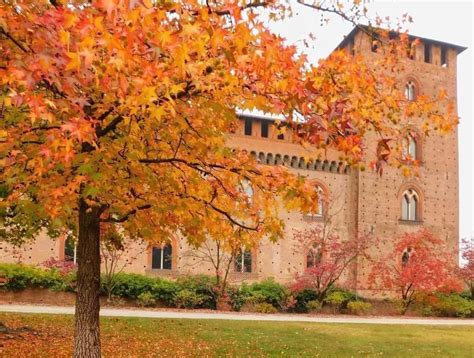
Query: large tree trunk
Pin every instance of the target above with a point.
(86, 335)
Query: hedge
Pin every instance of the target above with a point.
(199, 292)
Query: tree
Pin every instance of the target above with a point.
(221, 254)
(114, 250)
(328, 255)
(119, 111)
(416, 265)
(467, 269)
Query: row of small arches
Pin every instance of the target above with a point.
(300, 162)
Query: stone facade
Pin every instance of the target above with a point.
(362, 200)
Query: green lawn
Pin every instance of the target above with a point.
(136, 337)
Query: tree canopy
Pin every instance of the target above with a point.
(129, 103)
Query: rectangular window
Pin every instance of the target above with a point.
(427, 53)
(444, 57)
(243, 261)
(248, 126)
(161, 258)
(264, 129)
(281, 136)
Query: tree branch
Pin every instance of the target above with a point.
(127, 215)
(14, 40)
(224, 213)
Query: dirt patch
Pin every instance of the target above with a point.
(38, 296)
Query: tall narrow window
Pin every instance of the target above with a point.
(243, 261)
(248, 126)
(320, 192)
(444, 57)
(70, 250)
(410, 205)
(350, 47)
(264, 129)
(410, 91)
(427, 53)
(411, 50)
(406, 256)
(313, 257)
(161, 257)
(322, 197)
(409, 150)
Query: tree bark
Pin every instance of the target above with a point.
(87, 334)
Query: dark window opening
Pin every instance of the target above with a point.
(351, 47)
(411, 51)
(248, 126)
(264, 129)
(243, 261)
(427, 53)
(406, 256)
(161, 257)
(375, 45)
(70, 254)
(281, 136)
(444, 57)
(313, 258)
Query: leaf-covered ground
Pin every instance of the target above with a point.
(51, 336)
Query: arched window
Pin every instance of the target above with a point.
(313, 257)
(406, 256)
(243, 261)
(321, 199)
(162, 257)
(410, 91)
(409, 147)
(70, 250)
(410, 205)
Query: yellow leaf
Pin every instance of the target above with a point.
(64, 37)
(74, 62)
(3, 135)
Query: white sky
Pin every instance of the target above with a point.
(448, 21)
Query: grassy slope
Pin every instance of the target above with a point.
(192, 338)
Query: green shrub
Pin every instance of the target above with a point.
(339, 299)
(359, 307)
(188, 299)
(265, 308)
(302, 298)
(202, 286)
(165, 291)
(26, 276)
(129, 285)
(146, 299)
(237, 297)
(267, 291)
(313, 306)
(452, 305)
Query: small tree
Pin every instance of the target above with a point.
(328, 255)
(418, 264)
(114, 254)
(467, 270)
(221, 256)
